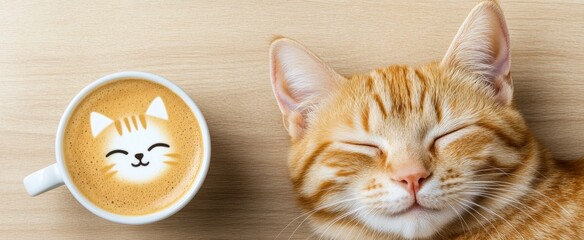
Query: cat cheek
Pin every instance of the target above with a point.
(504, 157)
(434, 194)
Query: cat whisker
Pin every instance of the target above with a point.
(440, 230)
(499, 171)
(350, 223)
(477, 187)
(338, 219)
(514, 189)
(495, 195)
(171, 162)
(107, 168)
(310, 213)
(513, 203)
(110, 174)
(532, 168)
(511, 174)
(377, 234)
(172, 155)
(495, 214)
(460, 218)
(500, 183)
(362, 225)
(466, 207)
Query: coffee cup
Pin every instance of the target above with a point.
(131, 147)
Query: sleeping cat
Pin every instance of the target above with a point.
(436, 151)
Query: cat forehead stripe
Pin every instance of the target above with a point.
(131, 123)
(134, 122)
(128, 124)
(143, 121)
(119, 127)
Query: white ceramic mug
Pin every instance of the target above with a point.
(56, 174)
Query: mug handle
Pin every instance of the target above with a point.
(43, 180)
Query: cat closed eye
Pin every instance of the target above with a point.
(433, 145)
(158, 145)
(116, 151)
(364, 145)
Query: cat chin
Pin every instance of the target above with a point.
(414, 224)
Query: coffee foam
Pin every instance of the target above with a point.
(85, 159)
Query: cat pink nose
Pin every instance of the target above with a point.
(411, 178)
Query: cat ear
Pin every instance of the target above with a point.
(300, 80)
(98, 123)
(482, 47)
(157, 109)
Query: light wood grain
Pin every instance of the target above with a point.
(217, 52)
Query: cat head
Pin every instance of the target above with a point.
(406, 151)
(138, 148)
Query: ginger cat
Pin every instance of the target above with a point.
(436, 151)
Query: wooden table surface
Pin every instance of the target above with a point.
(217, 52)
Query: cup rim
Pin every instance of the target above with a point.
(151, 217)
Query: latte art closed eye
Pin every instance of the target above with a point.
(132, 147)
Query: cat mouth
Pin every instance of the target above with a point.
(415, 208)
(140, 163)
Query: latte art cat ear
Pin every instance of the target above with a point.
(98, 123)
(157, 109)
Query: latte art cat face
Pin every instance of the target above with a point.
(139, 149)
(132, 147)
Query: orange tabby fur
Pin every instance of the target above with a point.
(350, 135)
